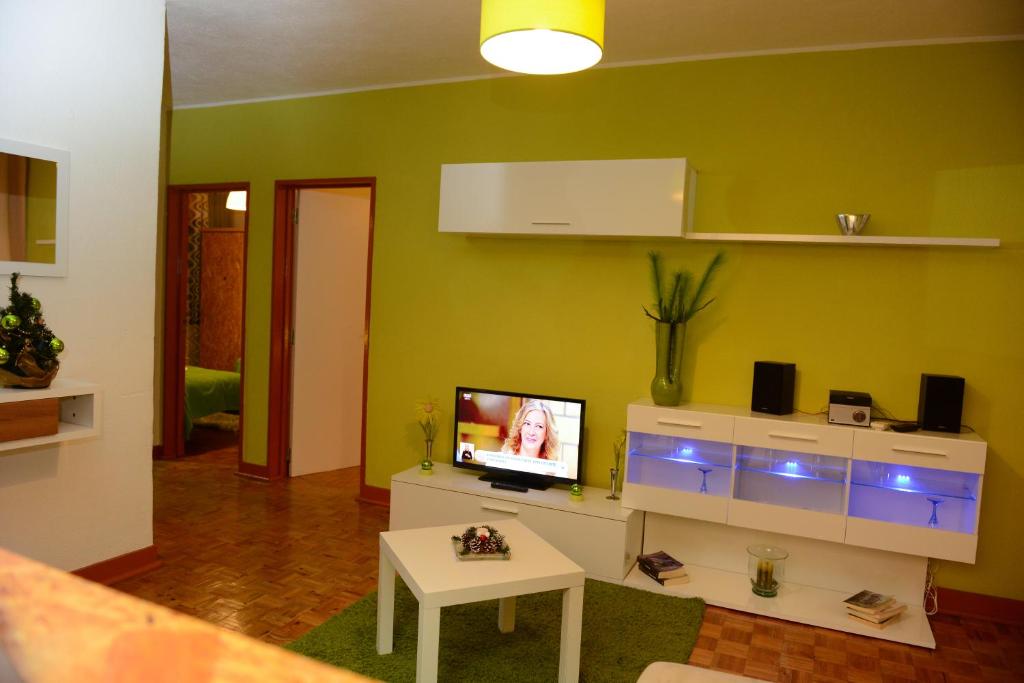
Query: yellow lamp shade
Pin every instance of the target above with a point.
(542, 36)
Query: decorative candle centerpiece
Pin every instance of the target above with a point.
(481, 543)
(766, 568)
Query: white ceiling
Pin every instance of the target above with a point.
(237, 50)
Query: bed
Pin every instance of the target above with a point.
(209, 391)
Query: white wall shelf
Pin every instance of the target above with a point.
(849, 240)
(80, 411)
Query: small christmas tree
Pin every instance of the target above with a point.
(28, 349)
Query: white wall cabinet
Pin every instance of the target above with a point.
(604, 198)
(598, 534)
(799, 475)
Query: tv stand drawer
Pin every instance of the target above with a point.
(597, 534)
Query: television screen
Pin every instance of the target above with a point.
(533, 436)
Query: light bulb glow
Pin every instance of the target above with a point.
(542, 36)
(236, 200)
(541, 51)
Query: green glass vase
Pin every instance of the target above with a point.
(666, 387)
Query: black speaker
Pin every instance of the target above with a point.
(773, 387)
(941, 403)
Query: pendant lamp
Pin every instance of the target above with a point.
(236, 200)
(542, 36)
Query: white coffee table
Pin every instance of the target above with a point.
(426, 562)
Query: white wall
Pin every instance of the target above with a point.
(87, 77)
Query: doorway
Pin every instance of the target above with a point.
(204, 319)
(320, 314)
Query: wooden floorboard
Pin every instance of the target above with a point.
(273, 560)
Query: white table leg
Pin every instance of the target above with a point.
(507, 614)
(385, 605)
(572, 630)
(427, 642)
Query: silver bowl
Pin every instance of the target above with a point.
(852, 223)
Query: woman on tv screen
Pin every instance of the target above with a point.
(533, 432)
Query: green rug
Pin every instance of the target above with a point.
(624, 630)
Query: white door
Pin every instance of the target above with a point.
(332, 241)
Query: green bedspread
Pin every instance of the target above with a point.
(207, 392)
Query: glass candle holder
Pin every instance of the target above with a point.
(766, 566)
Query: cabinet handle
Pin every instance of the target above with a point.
(550, 222)
(678, 423)
(498, 508)
(792, 437)
(918, 451)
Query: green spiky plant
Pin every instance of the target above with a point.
(676, 302)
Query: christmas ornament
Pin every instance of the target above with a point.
(10, 322)
(36, 305)
(576, 493)
(56, 345)
(4, 355)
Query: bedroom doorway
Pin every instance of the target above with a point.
(320, 315)
(204, 320)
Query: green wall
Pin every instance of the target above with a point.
(928, 139)
(41, 211)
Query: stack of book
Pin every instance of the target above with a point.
(663, 568)
(873, 609)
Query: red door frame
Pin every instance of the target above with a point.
(175, 297)
(282, 318)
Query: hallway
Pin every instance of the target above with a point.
(268, 560)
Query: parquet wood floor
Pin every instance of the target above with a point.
(274, 560)
(271, 560)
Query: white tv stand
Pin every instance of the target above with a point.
(598, 534)
(850, 504)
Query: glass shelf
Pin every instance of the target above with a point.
(790, 479)
(917, 496)
(688, 465)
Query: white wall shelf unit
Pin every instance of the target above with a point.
(599, 534)
(859, 508)
(599, 198)
(848, 240)
(80, 405)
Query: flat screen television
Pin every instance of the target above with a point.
(525, 439)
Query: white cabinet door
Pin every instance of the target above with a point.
(794, 436)
(691, 424)
(612, 198)
(959, 453)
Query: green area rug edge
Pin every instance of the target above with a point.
(624, 629)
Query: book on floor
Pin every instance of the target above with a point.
(670, 581)
(879, 617)
(661, 565)
(873, 624)
(868, 602)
